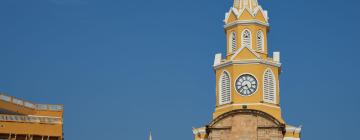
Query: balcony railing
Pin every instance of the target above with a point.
(30, 105)
(30, 119)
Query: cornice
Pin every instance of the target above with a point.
(242, 22)
(255, 61)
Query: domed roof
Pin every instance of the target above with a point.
(249, 4)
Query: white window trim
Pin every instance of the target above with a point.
(275, 87)
(220, 88)
(262, 41)
(231, 43)
(242, 38)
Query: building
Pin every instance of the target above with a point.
(23, 120)
(247, 82)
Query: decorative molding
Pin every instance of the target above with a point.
(249, 111)
(264, 12)
(232, 105)
(217, 59)
(251, 61)
(290, 138)
(239, 22)
(293, 129)
(201, 130)
(251, 50)
(239, 12)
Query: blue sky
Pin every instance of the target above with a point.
(124, 67)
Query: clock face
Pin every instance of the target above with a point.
(246, 85)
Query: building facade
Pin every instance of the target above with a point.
(23, 120)
(247, 82)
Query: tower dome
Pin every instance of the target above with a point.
(242, 4)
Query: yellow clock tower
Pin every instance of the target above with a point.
(247, 82)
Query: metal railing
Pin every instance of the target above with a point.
(30, 119)
(31, 105)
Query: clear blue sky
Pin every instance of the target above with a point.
(122, 67)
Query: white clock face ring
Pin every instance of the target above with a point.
(246, 85)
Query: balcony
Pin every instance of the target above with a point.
(30, 119)
(30, 105)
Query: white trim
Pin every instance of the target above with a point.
(262, 41)
(257, 86)
(254, 12)
(201, 130)
(232, 10)
(239, 50)
(44, 116)
(243, 40)
(220, 102)
(293, 129)
(237, 22)
(274, 84)
(264, 12)
(291, 138)
(250, 61)
(236, 11)
(248, 104)
(276, 56)
(217, 59)
(231, 42)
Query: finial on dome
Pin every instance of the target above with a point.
(150, 136)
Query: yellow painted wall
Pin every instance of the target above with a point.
(254, 29)
(246, 15)
(22, 120)
(257, 70)
(16, 108)
(31, 128)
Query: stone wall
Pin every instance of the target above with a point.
(245, 126)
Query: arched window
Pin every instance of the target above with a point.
(232, 42)
(246, 38)
(224, 89)
(260, 41)
(269, 87)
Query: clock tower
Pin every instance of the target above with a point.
(247, 82)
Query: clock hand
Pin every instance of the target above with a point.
(247, 85)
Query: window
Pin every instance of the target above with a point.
(224, 89)
(232, 42)
(260, 41)
(246, 38)
(269, 87)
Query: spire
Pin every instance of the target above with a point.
(150, 136)
(241, 4)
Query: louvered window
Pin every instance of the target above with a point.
(224, 89)
(232, 42)
(246, 38)
(260, 41)
(269, 87)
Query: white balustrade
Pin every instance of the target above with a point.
(31, 105)
(30, 119)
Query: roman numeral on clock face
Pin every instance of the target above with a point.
(246, 85)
